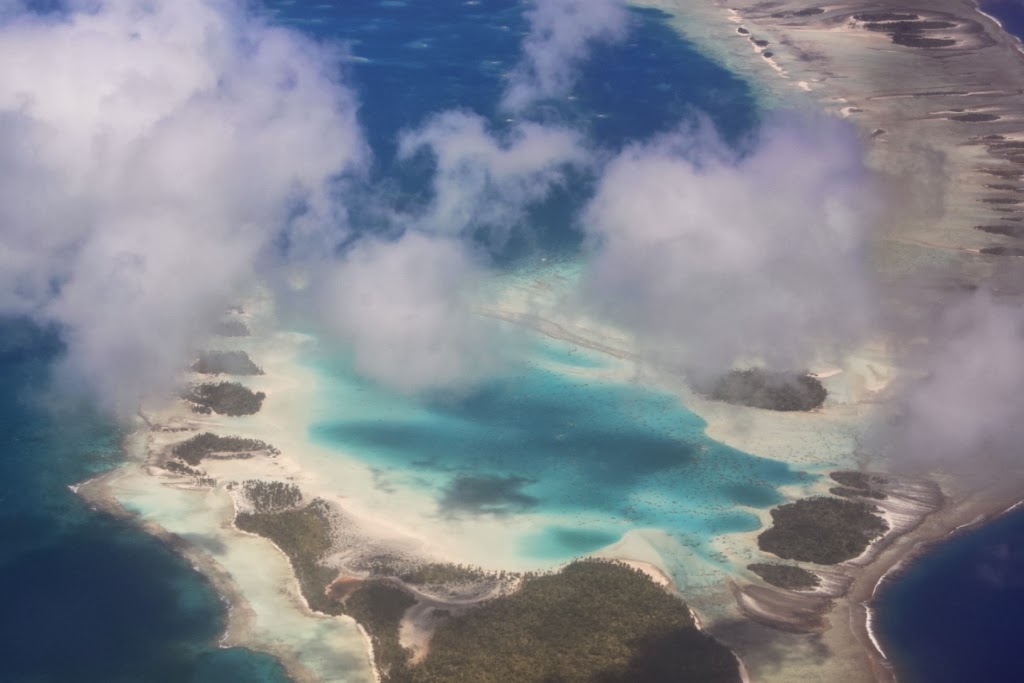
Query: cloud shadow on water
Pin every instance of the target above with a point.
(486, 495)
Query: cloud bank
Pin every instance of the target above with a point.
(150, 154)
(711, 256)
(560, 37)
(962, 407)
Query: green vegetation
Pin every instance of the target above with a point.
(912, 40)
(592, 621)
(1016, 231)
(972, 117)
(439, 573)
(232, 328)
(379, 608)
(203, 445)
(179, 468)
(809, 12)
(766, 389)
(884, 16)
(847, 492)
(822, 530)
(304, 535)
(225, 398)
(271, 496)
(907, 26)
(225, 362)
(428, 573)
(786, 576)
(858, 484)
(1003, 251)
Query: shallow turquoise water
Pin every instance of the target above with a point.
(609, 456)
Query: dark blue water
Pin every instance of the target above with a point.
(83, 596)
(1010, 14)
(957, 614)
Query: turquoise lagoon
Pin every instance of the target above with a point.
(558, 438)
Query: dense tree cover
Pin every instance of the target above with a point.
(196, 448)
(271, 496)
(429, 573)
(379, 608)
(225, 362)
(848, 492)
(785, 575)
(858, 480)
(592, 621)
(304, 535)
(757, 388)
(225, 398)
(179, 468)
(822, 530)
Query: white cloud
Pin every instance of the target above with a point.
(484, 183)
(561, 33)
(963, 406)
(710, 256)
(149, 155)
(400, 307)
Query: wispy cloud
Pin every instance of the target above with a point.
(485, 181)
(561, 35)
(960, 405)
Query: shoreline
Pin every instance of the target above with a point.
(921, 546)
(840, 68)
(899, 549)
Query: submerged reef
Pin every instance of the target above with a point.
(225, 398)
(770, 390)
(822, 530)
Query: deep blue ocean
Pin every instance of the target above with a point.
(85, 597)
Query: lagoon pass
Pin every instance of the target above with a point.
(351, 511)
